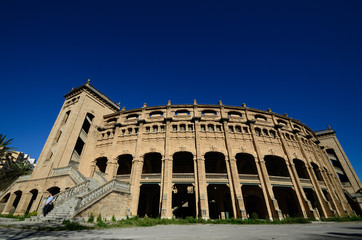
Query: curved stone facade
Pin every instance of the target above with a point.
(210, 161)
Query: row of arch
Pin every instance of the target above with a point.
(183, 162)
(10, 205)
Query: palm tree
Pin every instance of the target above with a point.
(11, 168)
(5, 149)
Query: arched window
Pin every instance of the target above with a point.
(209, 112)
(257, 131)
(260, 117)
(155, 128)
(101, 164)
(182, 127)
(238, 129)
(210, 128)
(182, 112)
(265, 132)
(272, 134)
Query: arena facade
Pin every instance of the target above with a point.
(209, 161)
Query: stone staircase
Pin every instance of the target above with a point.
(69, 203)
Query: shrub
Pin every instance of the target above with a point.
(91, 218)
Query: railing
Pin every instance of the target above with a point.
(305, 181)
(100, 191)
(71, 171)
(123, 177)
(216, 176)
(279, 179)
(322, 183)
(249, 176)
(183, 175)
(151, 176)
(70, 192)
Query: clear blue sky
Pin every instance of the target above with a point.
(303, 58)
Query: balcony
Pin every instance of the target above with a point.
(124, 177)
(183, 177)
(217, 177)
(279, 180)
(151, 177)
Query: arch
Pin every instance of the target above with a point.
(210, 128)
(101, 164)
(257, 131)
(182, 112)
(18, 195)
(220, 205)
(282, 122)
(132, 116)
(183, 162)
(254, 201)
(313, 199)
(152, 163)
(276, 166)
(301, 168)
(3, 202)
(149, 201)
(34, 195)
(287, 201)
(246, 163)
(183, 201)
(260, 117)
(234, 114)
(156, 114)
(317, 171)
(54, 190)
(209, 112)
(124, 164)
(215, 162)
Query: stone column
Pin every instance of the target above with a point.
(137, 166)
(166, 195)
(200, 162)
(9, 204)
(313, 178)
(293, 176)
(23, 204)
(233, 175)
(270, 201)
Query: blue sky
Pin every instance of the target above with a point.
(303, 58)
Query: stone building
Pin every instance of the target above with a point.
(209, 161)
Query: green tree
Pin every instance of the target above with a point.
(11, 168)
(5, 149)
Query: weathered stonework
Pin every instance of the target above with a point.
(209, 161)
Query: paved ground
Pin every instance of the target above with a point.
(313, 231)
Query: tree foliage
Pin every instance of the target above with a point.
(11, 168)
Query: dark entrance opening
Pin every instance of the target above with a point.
(149, 201)
(220, 205)
(124, 164)
(288, 202)
(101, 164)
(254, 201)
(183, 201)
(34, 193)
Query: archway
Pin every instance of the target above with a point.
(124, 164)
(183, 201)
(152, 163)
(254, 201)
(287, 201)
(101, 164)
(34, 194)
(301, 169)
(276, 166)
(246, 163)
(220, 205)
(215, 162)
(183, 162)
(149, 201)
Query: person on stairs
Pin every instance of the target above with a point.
(48, 203)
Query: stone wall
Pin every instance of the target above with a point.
(114, 204)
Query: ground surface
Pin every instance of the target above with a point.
(312, 231)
